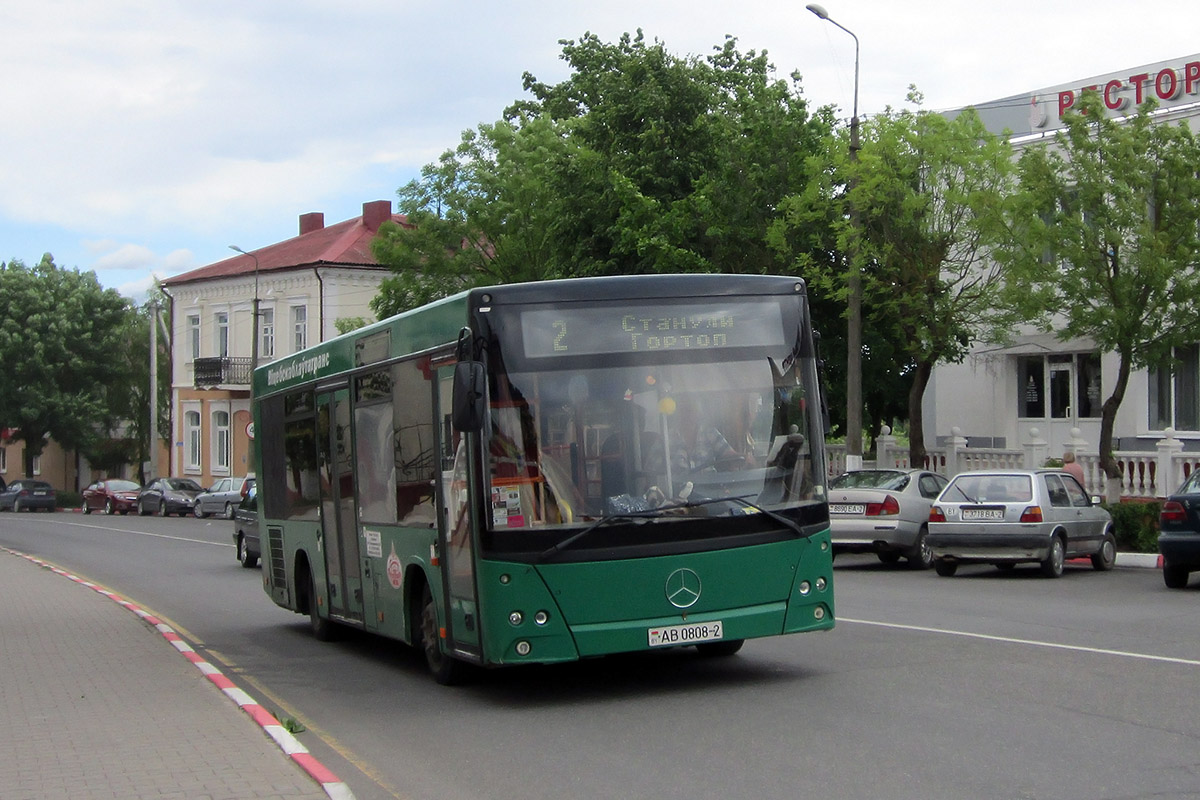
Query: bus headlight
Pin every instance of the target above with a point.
(819, 613)
(805, 587)
(541, 618)
(523, 648)
(821, 584)
(515, 618)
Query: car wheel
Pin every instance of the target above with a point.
(1174, 576)
(229, 511)
(84, 508)
(445, 669)
(945, 567)
(244, 556)
(108, 507)
(141, 505)
(888, 556)
(1052, 567)
(921, 556)
(197, 513)
(1106, 557)
(17, 507)
(162, 508)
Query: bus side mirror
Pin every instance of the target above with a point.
(470, 393)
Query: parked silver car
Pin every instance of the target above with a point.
(223, 497)
(884, 511)
(1019, 516)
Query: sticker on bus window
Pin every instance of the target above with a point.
(506, 507)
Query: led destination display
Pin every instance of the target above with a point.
(550, 333)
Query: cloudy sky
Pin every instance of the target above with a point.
(143, 137)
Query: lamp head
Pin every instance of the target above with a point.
(818, 10)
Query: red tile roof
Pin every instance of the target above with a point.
(341, 244)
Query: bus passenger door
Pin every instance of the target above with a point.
(338, 516)
(456, 538)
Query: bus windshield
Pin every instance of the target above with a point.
(667, 437)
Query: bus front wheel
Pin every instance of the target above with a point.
(445, 669)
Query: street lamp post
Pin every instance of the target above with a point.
(854, 403)
(254, 325)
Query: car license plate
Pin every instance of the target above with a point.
(847, 508)
(983, 513)
(686, 634)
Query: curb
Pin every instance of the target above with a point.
(291, 746)
(1140, 560)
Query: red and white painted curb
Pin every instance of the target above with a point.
(334, 788)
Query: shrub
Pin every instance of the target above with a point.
(1136, 525)
(68, 499)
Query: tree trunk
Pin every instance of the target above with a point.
(916, 423)
(1108, 417)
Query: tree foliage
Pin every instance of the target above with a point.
(639, 162)
(915, 213)
(1103, 241)
(61, 344)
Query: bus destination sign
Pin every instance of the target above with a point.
(549, 333)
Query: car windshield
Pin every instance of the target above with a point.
(123, 486)
(871, 479)
(990, 489)
(184, 485)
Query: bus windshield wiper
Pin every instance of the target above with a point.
(639, 518)
(782, 520)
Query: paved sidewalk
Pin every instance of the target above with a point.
(98, 699)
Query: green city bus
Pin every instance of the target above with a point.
(543, 472)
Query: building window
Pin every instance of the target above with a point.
(1060, 386)
(221, 320)
(3, 460)
(37, 465)
(191, 438)
(266, 318)
(299, 328)
(220, 442)
(193, 335)
(1174, 392)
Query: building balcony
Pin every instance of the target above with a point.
(210, 372)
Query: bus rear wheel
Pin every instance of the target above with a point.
(322, 628)
(445, 669)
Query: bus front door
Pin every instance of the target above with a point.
(460, 615)
(338, 515)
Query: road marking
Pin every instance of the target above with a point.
(144, 533)
(1031, 642)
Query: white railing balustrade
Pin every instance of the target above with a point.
(1144, 474)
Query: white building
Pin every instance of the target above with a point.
(304, 285)
(999, 395)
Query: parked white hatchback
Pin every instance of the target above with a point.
(1019, 516)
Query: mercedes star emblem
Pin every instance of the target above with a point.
(683, 588)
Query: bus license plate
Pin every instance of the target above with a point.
(685, 634)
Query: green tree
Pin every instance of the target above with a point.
(1104, 244)
(61, 336)
(916, 213)
(640, 161)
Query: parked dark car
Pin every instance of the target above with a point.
(245, 530)
(1179, 533)
(1020, 516)
(884, 511)
(28, 495)
(164, 496)
(112, 496)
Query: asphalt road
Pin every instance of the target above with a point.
(985, 685)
